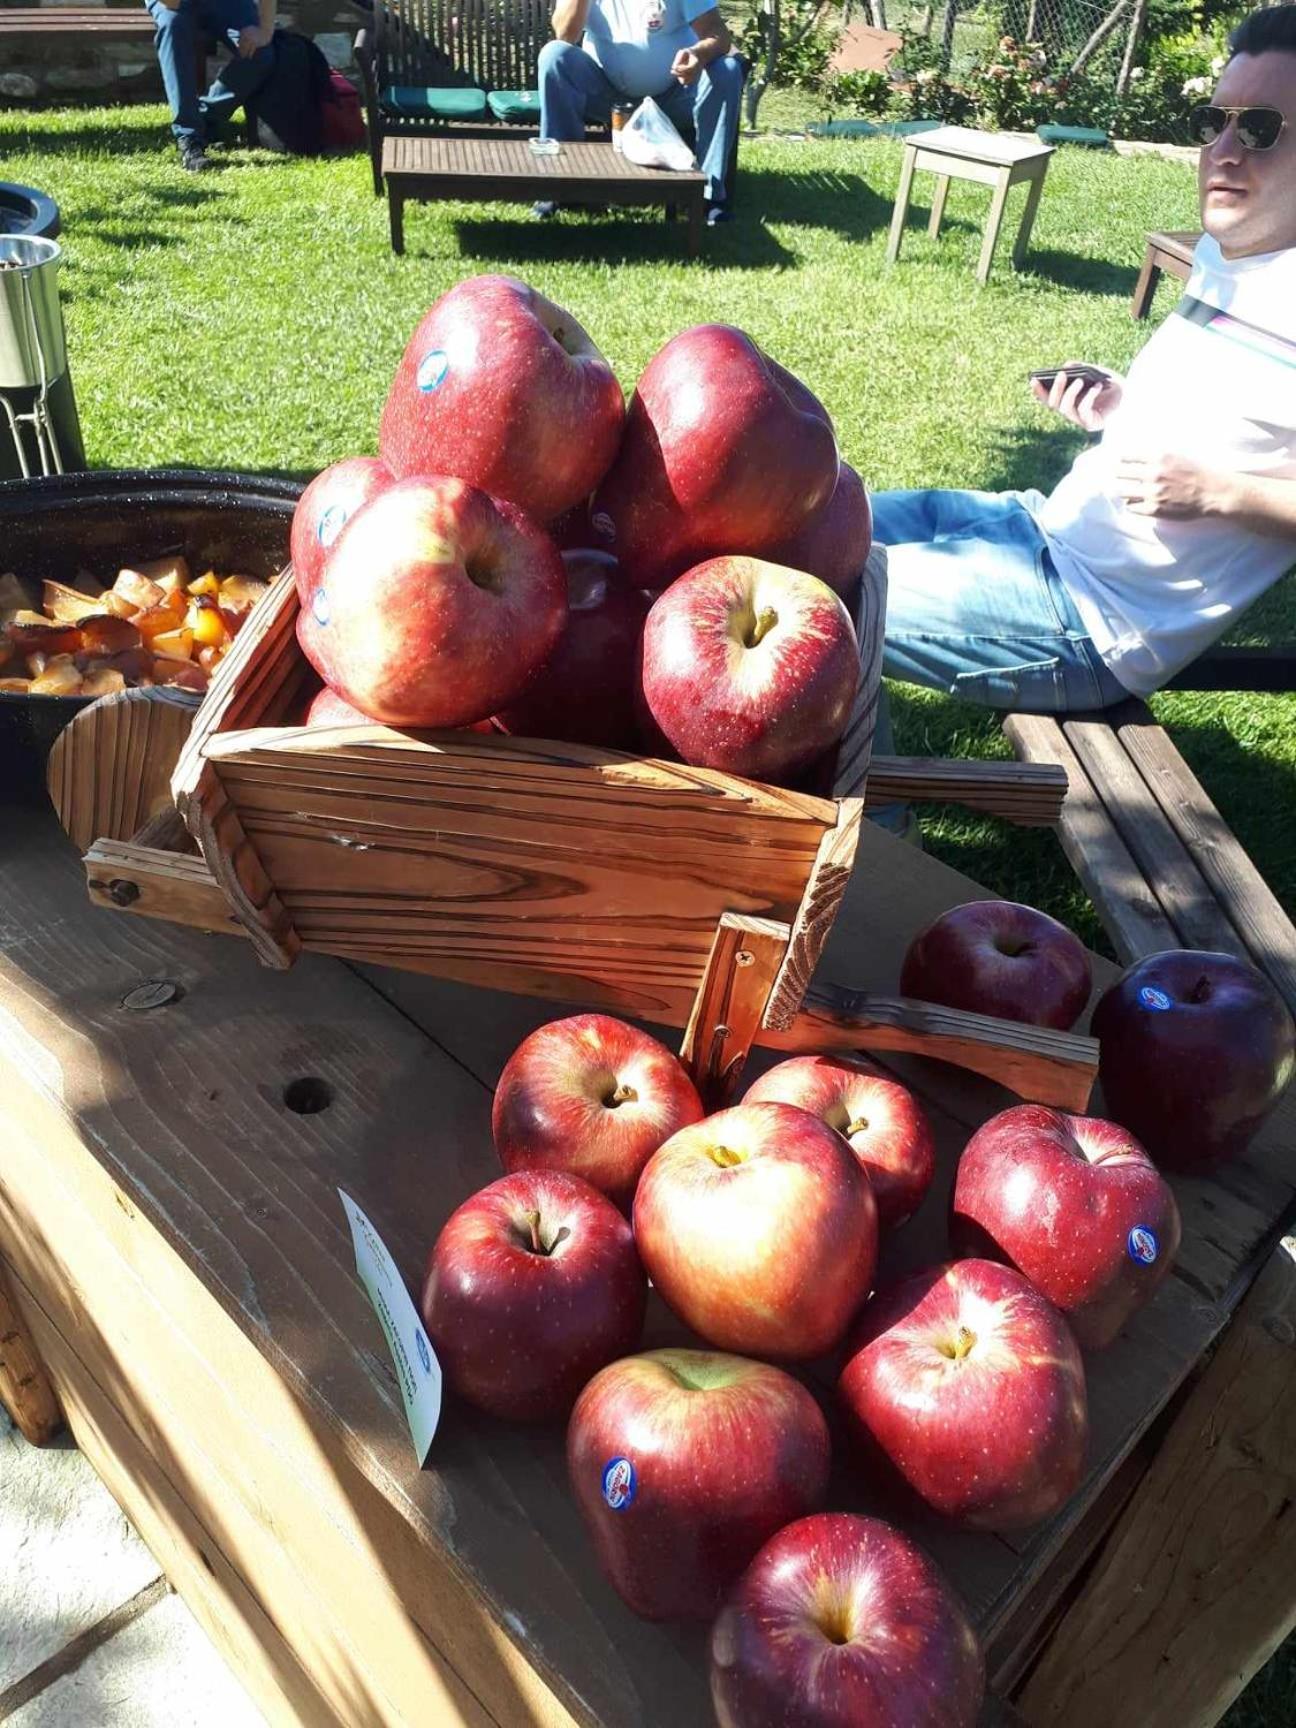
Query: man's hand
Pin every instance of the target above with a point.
(1169, 485)
(686, 67)
(251, 39)
(1085, 405)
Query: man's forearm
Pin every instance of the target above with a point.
(266, 10)
(713, 47)
(569, 18)
(1261, 502)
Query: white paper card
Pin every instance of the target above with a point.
(417, 1369)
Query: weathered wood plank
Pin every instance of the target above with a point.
(740, 972)
(110, 769)
(1194, 1592)
(25, 1389)
(124, 877)
(1030, 794)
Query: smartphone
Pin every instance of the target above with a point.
(1090, 375)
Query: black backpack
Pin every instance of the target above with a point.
(291, 101)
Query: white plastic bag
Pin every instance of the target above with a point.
(649, 139)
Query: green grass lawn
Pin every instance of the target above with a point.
(251, 319)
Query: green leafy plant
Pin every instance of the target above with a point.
(808, 32)
(867, 94)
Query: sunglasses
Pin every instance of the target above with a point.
(1257, 128)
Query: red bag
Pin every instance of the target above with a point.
(342, 118)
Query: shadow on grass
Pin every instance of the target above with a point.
(618, 238)
(1085, 275)
(1019, 457)
(844, 203)
(89, 138)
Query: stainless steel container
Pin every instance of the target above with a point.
(33, 352)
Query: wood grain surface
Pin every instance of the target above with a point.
(25, 1389)
(110, 768)
(731, 1002)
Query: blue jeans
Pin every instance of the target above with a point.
(176, 40)
(574, 88)
(975, 607)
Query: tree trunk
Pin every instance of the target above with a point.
(1137, 20)
(1100, 35)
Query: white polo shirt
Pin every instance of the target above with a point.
(1217, 383)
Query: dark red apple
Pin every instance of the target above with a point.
(1076, 1205)
(724, 452)
(323, 511)
(1194, 1050)
(532, 1286)
(748, 667)
(759, 1229)
(843, 1622)
(327, 708)
(436, 605)
(504, 389)
(593, 1096)
(999, 957)
(683, 1462)
(885, 1125)
(970, 1383)
(585, 691)
(835, 542)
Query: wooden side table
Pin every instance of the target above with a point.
(1170, 251)
(996, 159)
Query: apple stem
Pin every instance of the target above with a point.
(1200, 990)
(857, 1126)
(964, 1343)
(725, 1157)
(765, 622)
(623, 1095)
(537, 1242)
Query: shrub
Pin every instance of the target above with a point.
(864, 93)
(808, 33)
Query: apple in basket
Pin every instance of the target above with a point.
(585, 691)
(748, 667)
(503, 388)
(881, 1120)
(1194, 1050)
(593, 1096)
(759, 1230)
(999, 957)
(835, 542)
(327, 708)
(323, 511)
(724, 451)
(969, 1384)
(532, 1286)
(844, 1622)
(1076, 1205)
(682, 1463)
(436, 604)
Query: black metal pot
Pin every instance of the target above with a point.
(24, 210)
(99, 521)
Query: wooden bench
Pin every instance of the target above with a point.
(1171, 250)
(1157, 859)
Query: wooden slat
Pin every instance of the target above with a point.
(1255, 910)
(1130, 913)
(1167, 867)
(1028, 793)
(813, 918)
(125, 877)
(110, 767)
(1194, 1592)
(730, 1004)
(25, 1389)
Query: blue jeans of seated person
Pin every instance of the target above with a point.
(976, 608)
(575, 88)
(195, 117)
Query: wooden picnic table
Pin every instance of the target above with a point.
(180, 1262)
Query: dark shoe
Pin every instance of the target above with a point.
(718, 213)
(193, 157)
(544, 209)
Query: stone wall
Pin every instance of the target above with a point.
(58, 68)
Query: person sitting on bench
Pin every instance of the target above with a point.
(198, 120)
(1184, 510)
(676, 51)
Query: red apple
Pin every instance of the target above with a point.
(327, 708)
(436, 605)
(502, 388)
(885, 1125)
(843, 1622)
(723, 452)
(759, 1228)
(585, 691)
(682, 1463)
(999, 957)
(1194, 1050)
(749, 668)
(593, 1096)
(835, 542)
(1076, 1205)
(323, 511)
(970, 1383)
(532, 1286)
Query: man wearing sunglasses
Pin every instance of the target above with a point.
(1183, 510)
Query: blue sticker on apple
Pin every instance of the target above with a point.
(620, 1483)
(603, 525)
(424, 1354)
(432, 369)
(1142, 1245)
(1157, 1000)
(331, 524)
(320, 606)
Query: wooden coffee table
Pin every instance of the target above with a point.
(486, 169)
